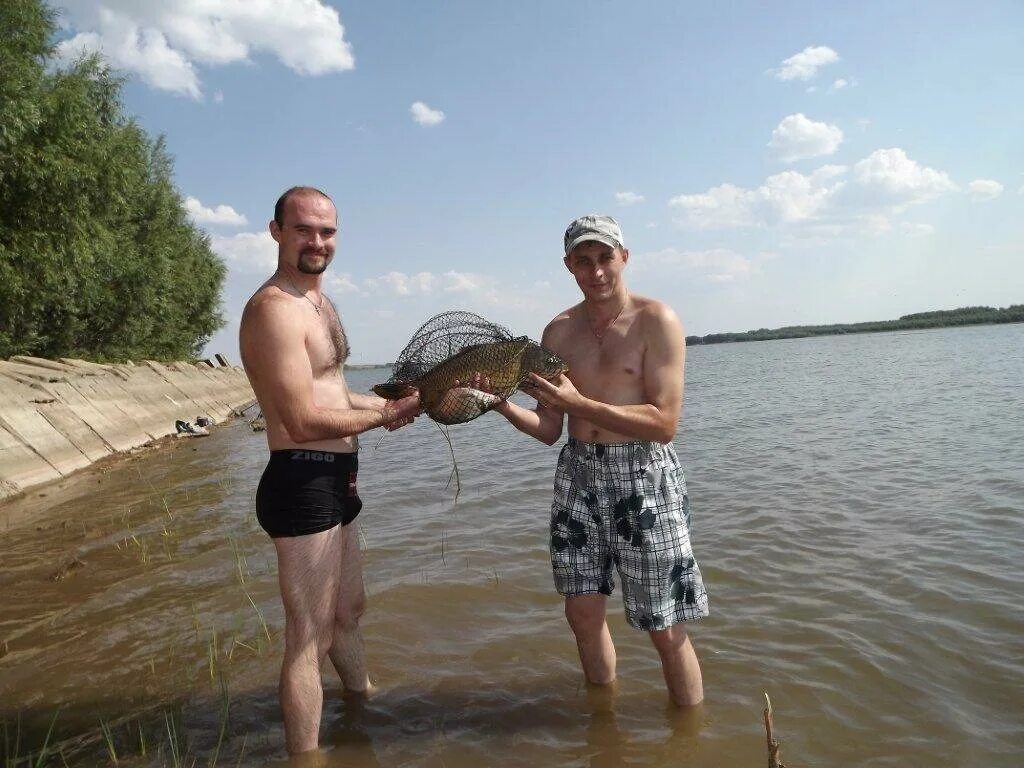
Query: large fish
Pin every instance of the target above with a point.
(444, 395)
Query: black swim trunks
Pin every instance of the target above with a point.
(304, 492)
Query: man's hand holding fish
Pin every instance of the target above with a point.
(559, 393)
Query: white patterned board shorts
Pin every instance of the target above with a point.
(625, 505)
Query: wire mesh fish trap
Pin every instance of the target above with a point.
(441, 338)
(445, 354)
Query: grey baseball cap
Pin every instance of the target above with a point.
(603, 229)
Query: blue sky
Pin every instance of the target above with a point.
(770, 163)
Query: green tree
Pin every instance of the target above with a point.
(98, 258)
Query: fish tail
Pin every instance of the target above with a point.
(394, 391)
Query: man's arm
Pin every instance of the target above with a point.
(367, 401)
(542, 422)
(372, 402)
(654, 420)
(273, 345)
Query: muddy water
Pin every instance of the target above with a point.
(857, 511)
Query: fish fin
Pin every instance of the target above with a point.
(394, 391)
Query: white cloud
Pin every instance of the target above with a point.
(783, 198)
(888, 176)
(162, 42)
(983, 190)
(462, 282)
(222, 214)
(141, 50)
(843, 82)
(424, 283)
(828, 203)
(341, 282)
(875, 224)
(912, 229)
(718, 265)
(628, 198)
(424, 115)
(799, 138)
(254, 252)
(397, 282)
(805, 65)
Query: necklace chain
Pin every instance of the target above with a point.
(314, 306)
(600, 336)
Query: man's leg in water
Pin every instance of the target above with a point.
(586, 615)
(309, 572)
(347, 653)
(679, 665)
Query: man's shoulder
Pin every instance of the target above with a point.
(269, 304)
(658, 323)
(654, 312)
(563, 317)
(560, 326)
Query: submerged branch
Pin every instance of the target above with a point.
(774, 761)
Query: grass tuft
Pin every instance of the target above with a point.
(108, 739)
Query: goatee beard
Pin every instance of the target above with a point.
(305, 267)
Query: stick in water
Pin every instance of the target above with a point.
(769, 729)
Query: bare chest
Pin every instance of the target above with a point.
(327, 344)
(609, 369)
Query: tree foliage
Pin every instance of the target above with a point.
(937, 319)
(98, 258)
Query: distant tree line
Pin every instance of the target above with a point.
(98, 258)
(937, 319)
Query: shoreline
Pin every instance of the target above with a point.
(60, 416)
(954, 318)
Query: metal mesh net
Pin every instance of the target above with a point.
(443, 356)
(441, 338)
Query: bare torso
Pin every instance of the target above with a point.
(609, 369)
(327, 348)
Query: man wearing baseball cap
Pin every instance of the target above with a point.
(620, 503)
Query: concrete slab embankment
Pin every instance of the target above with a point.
(57, 416)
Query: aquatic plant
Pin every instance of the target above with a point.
(108, 738)
(224, 712)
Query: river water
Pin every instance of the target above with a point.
(857, 510)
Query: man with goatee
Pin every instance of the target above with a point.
(294, 347)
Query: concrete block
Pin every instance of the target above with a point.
(18, 415)
(150, 410)
(33, 372)
(106, 428)
(20, 466)
(185, 383)
(41, 362)
(154, 403)
(217, 385)
(105, 396)
(59, 416)
(66, 421)
(84, 365)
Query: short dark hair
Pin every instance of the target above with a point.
(279, 205)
